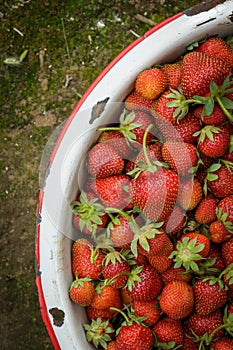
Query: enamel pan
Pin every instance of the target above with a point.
(62, 169)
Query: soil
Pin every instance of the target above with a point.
(50, 53)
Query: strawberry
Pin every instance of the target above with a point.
(126, 296)
(105, 297)
(121, 233)
(205, 211)
(150, 83)
(155, 193)
(206, 324)
(218, 232)
(217, 117)
(213, 141)
(177, 299)
(160, 263)
(219, 180)
(181, 156)
(168, 330)
(225, 207)
(134, 336)
(99, 332)
(89, 216)
(175, 273)
(148, 309)
(208, 297)
(218, 48)
(104, 314)
(185, 129)
(191, 247)
(111, 190)
(153, 151)
(112, 345)
(224, 343)
(116, 269)
(104, 161)
(144, 283)
(190, 193)
(82, 291)
(134, 101)
(175, 222)
(173, 72)
(195, 80)
(116, 140)
(227, 251)
(215, 253)
(86, 261)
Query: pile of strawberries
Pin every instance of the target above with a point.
(153, 262)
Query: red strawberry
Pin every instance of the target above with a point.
(227, 251)
(134, 101)
(218, 232)
(115, 269)
(116, 140)
(213, 141)
(175, 222)
(175, 273)
(173, 72)
(181, 156)
(208, 297)
(150, 83)
(159, 244)
(220, 180)
(168, 330)
(177, 299)
(126, 296)
(205, 211)
(154, 152)
(105, 314)
(206, 324)
(185, 129)
(112, 345)
(217, 117)
(225, 207)
(134, 336)
(121, 234)
(215, 253)
(111, 190)
(224, 343)
(89, 216)
(190, 193)
(82, 291)
(218, 48)
(145, 283)
(86, 261)
(195, 80)
(148, 309)
(160, 263)
(105, 297)
(104, 161)
(155, 193)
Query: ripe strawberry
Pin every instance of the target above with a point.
(175, 273)
(218, 232)
(155, 193)
(181, 156)
(189, 342)
(225, 207)
(224, 343)
(213, 141)
(115, 139)
(227, 251)
(126, 296)
(144, 283)
(105, 297)
(175, 222)
(218, 48)
(177, 299)
(112, 345)
(150, 83)
(217, 117)
(208, 297)
(115, 269)
(173, 72)
(82, 291)
(134, 101)
(89, 216)
(111, 190)
(205, 211)
(220, 180)
(121, 234)
(206, 324)
(185, 129)
(190, 193)
(134, 336)
(157, 242)
(153, 151)
(160, 263)
(215, 253)
(86, 261)
(105, 314)
(103, 161)
(195, 80)
(99, 332)
(148, 309)
(168, 330)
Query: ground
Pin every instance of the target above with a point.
(68, 44)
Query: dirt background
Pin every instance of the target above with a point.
(69, 43)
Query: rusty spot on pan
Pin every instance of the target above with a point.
(58, 316)
(98, 109)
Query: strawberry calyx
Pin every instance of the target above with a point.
(187, 254)
(168, 346)
(223, 218)
(227, 273)
(208, 132)
(99, 332)
(126, 125)
(79, 282)
(89, 211)
(133, 277)
(210, 176)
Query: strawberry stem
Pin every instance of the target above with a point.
(144, 144)
(225, 111)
